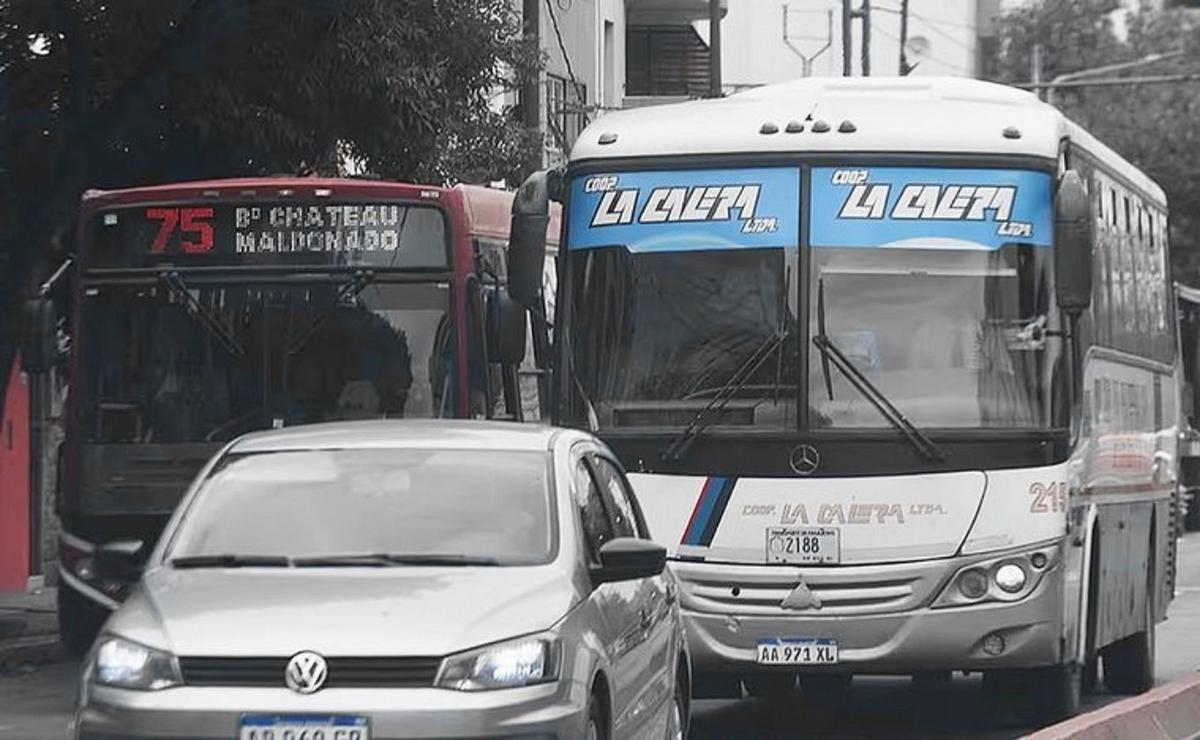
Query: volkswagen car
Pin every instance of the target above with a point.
(373, 580)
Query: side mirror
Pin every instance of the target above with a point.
(627, 559)
(506, 329)
(121, 561)
(1073, 245)
(527, 237)
(39, 335)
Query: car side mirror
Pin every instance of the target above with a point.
(506, 330)
(627, 559)
(121, 561)
(39, 335)
(526, 256)
(1072, 245)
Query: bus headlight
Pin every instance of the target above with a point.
(1008, 577)
(1011, 577)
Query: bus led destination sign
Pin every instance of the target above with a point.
(329, 228)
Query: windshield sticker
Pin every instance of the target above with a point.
(929, 208)
(688, 210)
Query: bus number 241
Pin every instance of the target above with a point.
(1047, 499)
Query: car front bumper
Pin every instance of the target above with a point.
(555, 711)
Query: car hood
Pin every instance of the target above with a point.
(342, 611)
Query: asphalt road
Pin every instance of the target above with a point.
(36, 704)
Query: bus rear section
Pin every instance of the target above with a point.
(860, 399)
(202, 311)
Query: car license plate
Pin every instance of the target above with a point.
(303, 727)
(797, 651)
(806, 545)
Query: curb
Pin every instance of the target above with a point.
(1168, 712)
(28, 651)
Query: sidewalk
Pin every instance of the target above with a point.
(28, 629)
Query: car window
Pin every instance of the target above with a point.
(624, 519)
(597, 527)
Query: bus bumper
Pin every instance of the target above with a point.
(978, 637)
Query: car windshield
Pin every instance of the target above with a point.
(470, 505)
(954, 338)
(657, 335)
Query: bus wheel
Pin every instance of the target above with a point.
(1057, 692)
(79, 620)
(1129, 663)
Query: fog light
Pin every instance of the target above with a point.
(1010, 577)
(993, 644)
(1039, 560)
(85, 569)
(973, 584)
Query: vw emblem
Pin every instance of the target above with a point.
(805, 459)
(306, 672)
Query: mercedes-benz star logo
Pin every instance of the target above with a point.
(805, 459)
(306, 672)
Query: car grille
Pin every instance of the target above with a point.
(844, 590)
(343, 672)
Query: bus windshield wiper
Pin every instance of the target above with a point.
(175, 284)
(348, 291)
(384, 559)
(830, 352)
(230, 560)
(712, 411)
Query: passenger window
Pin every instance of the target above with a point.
(597, 527)
(625, 520)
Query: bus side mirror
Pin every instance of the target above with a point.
(1072, 245)
(39, 335)
(506, 329)
(527, 237)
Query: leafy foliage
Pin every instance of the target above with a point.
(113, 93)
(1152, 125)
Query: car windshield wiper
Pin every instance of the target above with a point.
(830, 352)
(178, 288)
(230, 560)
(712, 411)
(385, 559)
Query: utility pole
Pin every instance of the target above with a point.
(904, 68)
(531, 90)
(847, 37)
(1036, 72)
(865, 12)
(714, 48)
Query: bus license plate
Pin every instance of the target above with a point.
(797, 651)
(303, 727)
(805, 545)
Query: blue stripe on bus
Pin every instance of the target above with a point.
(710, 507)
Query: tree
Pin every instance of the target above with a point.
(97, 93)
(1150, 125)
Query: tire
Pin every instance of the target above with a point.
(79, 620)
(1129, 663)
(770, 686)
(677, 723)
(1056, 692)
(597, 725)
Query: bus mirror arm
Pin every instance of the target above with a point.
(1072, 246)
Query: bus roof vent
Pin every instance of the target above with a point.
(769, 128)
(1012, 132)
(794, 127)
(820, 127)
(608, 137)
(847, 127)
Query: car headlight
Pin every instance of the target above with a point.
(128, 665)
(521, 662)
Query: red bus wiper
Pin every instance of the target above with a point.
(174, 283)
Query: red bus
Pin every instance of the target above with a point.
(204, 310)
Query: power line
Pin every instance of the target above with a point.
(953, 39)
(930, 57)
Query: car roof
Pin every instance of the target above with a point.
(402, 434)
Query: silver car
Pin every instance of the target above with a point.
(375, 580)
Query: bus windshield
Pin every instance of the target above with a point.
(205, 362)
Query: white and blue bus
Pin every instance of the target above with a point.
(893, 365)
